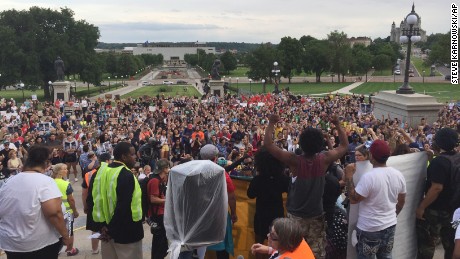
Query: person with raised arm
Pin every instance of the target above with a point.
(304, 202)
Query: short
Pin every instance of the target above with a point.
(165, 148)
(69, 223)
(70, 158)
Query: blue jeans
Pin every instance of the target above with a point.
(186, 255)
(371, 244)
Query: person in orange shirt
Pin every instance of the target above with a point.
(198, 133)
(285, 240)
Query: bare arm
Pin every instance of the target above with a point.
(339, 151)
(430, 197)
(456, 254)
(405, 135)
(286, 157)
(71, 201)
(232, 205)
(352, 194)
(53, 213)
(84, 195)
(401, 202)
(156, 200)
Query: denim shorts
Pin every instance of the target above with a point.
(379, 243)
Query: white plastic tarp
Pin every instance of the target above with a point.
(413, 167)
(196, 206)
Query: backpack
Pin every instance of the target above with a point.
(454, 202)
(145, 196)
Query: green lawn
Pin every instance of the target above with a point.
(155, 90)
(420, 65)
(238, 72)
(295, 88)
(17, 94)
(385, 72)
(442, 91)
(81, 92)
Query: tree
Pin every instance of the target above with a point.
(260, 62)
(381, 62)
(316, 57)
(440, 50)
(93, 68)
(35, 37)
(229, 61)
(290, 53)
(362, 59)
(341, 52)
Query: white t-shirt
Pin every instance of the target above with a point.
(457, 217)
(23, 226)
(380, 187)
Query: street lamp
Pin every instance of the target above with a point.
(332, 78)
(423, 76)
(116, 82)
(109, 83)
(250, 86)
(70, 89)
(51, 90)
(409, 35)
(22, 88)
(276, 70)
(263, 85)
(121, 80)
(237, 88)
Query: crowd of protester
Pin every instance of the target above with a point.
(78, 132)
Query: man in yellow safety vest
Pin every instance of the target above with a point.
(114, 199)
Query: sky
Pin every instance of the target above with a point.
(250, 21)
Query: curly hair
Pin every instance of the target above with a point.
(266, 164)
(311, 141)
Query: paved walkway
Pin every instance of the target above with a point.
(132, 85)
(347, 89)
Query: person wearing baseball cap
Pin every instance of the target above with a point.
(434, 213)
(381, 193)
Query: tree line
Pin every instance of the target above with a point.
(32, 39)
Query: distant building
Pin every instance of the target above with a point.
(397, 32)
(172, 51)
(360, 40)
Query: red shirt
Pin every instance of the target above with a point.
(228, 180)
(153, 188)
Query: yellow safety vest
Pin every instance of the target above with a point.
(105, 195)
(63, 185)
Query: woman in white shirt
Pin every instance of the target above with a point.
(31, 220)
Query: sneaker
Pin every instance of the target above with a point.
(76, 179)
(95, 252)
(73, 252)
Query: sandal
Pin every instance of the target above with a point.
(73, 252)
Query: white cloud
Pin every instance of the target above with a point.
(243, 21)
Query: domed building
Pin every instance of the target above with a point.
(397, 32)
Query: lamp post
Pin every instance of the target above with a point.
(275, 71)
(22, 88)
(263, 85)
(250, 86)
(75, 87)
(121, 80)
(51, 90)
(237, 88)
(423, 76)
(332, 78)
(116, 82)
(109, 83)
(409, 35)
(70, 89)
